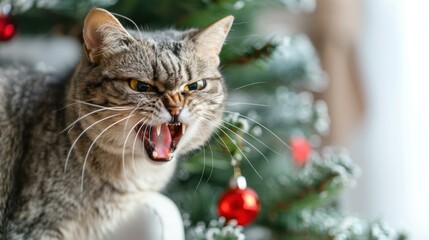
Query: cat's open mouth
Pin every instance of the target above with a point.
(161, 141)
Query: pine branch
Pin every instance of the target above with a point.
(319, 182)
(216, 230)
(253, 53)
(331, 224)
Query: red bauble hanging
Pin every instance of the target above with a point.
(301, 150)
(239, 202)
(7, 27)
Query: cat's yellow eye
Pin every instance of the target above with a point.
(195, 86)
(140, 86)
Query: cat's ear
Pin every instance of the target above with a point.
(210, 39)
(104, 35)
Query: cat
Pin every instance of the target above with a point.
(76, 154)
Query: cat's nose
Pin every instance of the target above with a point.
(173, 102)
(174, 112)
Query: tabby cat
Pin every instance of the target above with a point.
(76, 155)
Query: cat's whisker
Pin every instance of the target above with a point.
(135, 140)
(80, 135)
(87, 103)
(241, 151)
(214, 97)
(222, 143)
(80, 118)
(247, 85)
(204, 168)
(251, 135)
(125, 144)
(126, 18)
(116, 108)
(212, 163)
(69, 127)
(245, 36)
(245, 103)
(132, 112)
(92, 144)
(218, 96)
(90, 113)
(134, 145)
(238, 147)
(66, 106)
(261, 125)
(238, 135)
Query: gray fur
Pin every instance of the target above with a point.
(39, 197)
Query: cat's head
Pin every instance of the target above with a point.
(149, 94)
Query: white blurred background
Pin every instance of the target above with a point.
(391, 145)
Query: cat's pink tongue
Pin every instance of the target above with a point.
(161, 140)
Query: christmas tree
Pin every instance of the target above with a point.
(272, 130)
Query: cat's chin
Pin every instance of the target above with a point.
(161, 141)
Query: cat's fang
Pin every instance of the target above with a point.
(154, 154)
(183, 128)
(158, 130)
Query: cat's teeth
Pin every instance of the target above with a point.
(154, 154)
(158, 130)
(183, 128)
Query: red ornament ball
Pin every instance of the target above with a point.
(7, 28)
(239, 204)
(301, 150)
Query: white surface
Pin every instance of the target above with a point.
(392, 147)
(157, 219)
